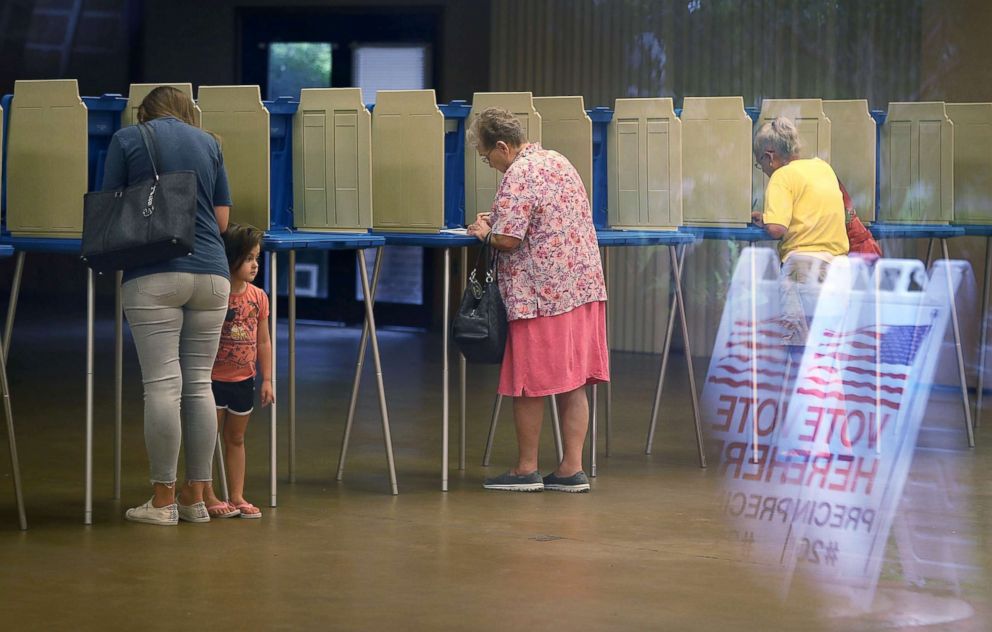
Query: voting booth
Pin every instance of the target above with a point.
(567, 129)
(853, 143)
(645, 165)
(814, 134)
(332, 161)
(481, 180)
(47, 161)
(238, 117)
(408, 166)
(917, 153)
(972, 162)
(716, 162)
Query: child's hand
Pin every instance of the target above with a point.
(266, 394)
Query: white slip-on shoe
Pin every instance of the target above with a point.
(197, 512)
(167, 516)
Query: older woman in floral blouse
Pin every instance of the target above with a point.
(551, 280)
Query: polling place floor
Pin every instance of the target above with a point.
(647, 549)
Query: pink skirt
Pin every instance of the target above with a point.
(548, 355)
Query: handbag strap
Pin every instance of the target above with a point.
(148, 136)
(490, 254)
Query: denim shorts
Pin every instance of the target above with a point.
(237, 398)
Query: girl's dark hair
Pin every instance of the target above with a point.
(239, 241)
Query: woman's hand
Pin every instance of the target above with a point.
(481, 227)
(757, 217)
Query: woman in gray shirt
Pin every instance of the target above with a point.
(176, 308)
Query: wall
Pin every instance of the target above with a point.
(47, 39)
(890, 50)
(183, 41)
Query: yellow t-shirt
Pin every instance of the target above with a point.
(804, 197)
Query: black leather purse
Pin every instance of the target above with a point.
(480, 327)
(149, 222)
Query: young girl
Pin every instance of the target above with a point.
(244, 339)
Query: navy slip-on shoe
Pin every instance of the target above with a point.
(510, 482)
(577, 482)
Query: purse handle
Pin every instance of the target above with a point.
(491, 255)
(148, 136)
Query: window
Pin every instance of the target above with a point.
(382, 67)
(296, 65)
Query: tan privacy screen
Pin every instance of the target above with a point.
(236, 114)
(814, 134)
(716, 162)
(408, 161)
(46, 159)
(917, 164)
(972, 162)
(481, 180)
(332, 163)
(645, 165)
(852, 152)
(138, 92)
(567, 129)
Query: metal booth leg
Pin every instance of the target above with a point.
(291, 299)
(370, 318)
(15, 291)
(983, 345)
(273, 438)
(462, 374)
(492, 431)
(118, 382)
(608, 413)
(88, 475)
(446, 308)
(665, 354)
(359, 364)
(556, 428)
(693, 393)
(222, 468)
(15, 465)
(592, 430)
(960, 356)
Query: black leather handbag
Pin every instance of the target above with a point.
(480, 327)
(149, 222)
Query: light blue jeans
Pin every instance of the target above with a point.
(801, 279)
(175, 319)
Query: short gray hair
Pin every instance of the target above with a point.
(779, 135)
(492, 125)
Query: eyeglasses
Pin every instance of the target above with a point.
(758, 161)
(485, 157)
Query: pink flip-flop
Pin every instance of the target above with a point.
(223, 510)
(244, 509)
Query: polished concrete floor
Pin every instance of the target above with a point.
(646, 550)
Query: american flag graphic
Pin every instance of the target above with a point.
(746, 348)
(865, 365)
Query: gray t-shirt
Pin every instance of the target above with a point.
(181, 147)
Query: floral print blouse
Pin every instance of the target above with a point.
(557, 268)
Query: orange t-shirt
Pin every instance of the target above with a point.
(238, 351)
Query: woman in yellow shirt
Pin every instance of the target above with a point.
(804, 208)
